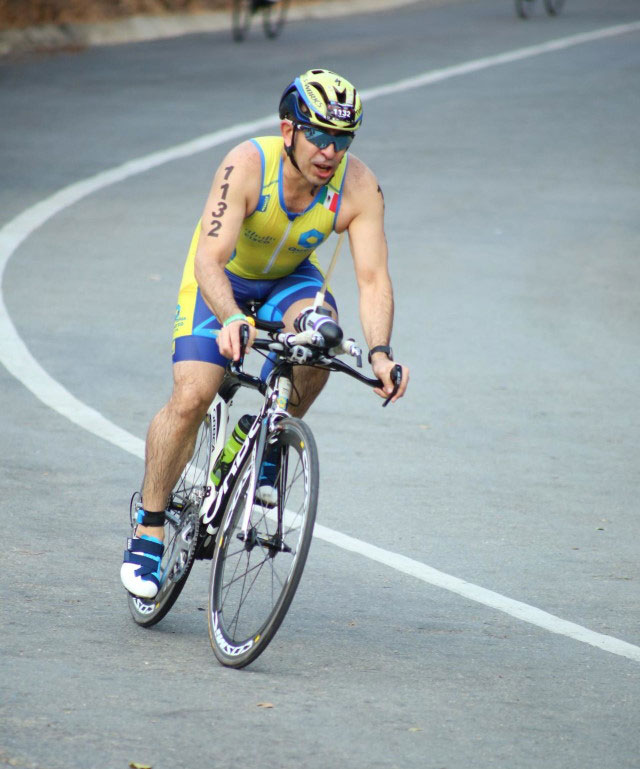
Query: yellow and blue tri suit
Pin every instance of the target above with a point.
(274, 259)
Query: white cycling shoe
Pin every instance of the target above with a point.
(140, 572)
(267, 495)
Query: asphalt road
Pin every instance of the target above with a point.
(512, 194)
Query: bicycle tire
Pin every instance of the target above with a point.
(524, 8)
(254, 579)
(241, 19)
(553, 7)
(181, 531)
(274, 18)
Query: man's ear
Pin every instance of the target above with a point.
(286, 129)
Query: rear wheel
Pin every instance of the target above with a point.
(261, 549)
(241, 19)
(182, 522)
(524, 8)
(274, 18)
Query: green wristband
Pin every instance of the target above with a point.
(234, 318)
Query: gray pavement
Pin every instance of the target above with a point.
(512, 218)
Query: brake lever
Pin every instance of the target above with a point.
(244, 341)
(396, 378)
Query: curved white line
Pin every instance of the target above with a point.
(513, 608)
(17, 359)
(14, 354)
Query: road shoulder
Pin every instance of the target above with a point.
(48, 37)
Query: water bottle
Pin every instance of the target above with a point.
(231, 448)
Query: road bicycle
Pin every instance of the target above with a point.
(257, 536)
(524, 8)
(273, 14)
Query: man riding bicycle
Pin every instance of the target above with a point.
(272, 202)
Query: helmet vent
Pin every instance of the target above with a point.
(341, 96)
(320, 88)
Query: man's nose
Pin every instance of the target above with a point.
(330, 150)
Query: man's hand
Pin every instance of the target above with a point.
(229, 339)
(382, 368)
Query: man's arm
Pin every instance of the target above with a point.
(234, 194)
(370, 256)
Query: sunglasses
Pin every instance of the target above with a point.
(322, 139)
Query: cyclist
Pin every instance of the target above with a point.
(273, 200)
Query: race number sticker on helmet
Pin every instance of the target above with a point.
(340, 112)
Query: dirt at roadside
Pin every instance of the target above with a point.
(16, 14)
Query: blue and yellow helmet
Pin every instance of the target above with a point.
(322, 98)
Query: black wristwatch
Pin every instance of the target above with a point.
(381, 348)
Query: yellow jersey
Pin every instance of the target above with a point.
(274, 241)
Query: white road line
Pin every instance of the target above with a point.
(517, 609)
(17, 359)
(476, 65)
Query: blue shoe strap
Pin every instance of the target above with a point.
(146, 553)
(149, 567)
(145, 544)
(147, 518)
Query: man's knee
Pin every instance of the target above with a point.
(311, 380)
(193, 391)
(297, 307)
(190, 403)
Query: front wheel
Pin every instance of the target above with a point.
(524, 8)
(274, 17)
(553, 6)
(262, 546)
(182, 523)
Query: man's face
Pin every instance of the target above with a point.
(316, 164)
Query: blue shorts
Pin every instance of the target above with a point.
(196, 327)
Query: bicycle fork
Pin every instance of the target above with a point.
(274, 409)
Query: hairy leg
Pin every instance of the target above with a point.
(172, 433)
(308, 382)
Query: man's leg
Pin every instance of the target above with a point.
(287, 299)
(307, 385)
(172, 432)
(308, 382)
(170, 443)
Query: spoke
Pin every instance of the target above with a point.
(272, 585)
(247, 587)
(223, 592)
(244, 574)
(259, 565)
(235, 553)
(236, 617)
(297, 473)
(294, 520)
